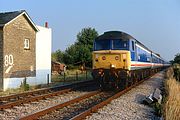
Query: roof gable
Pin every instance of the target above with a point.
(7, 17)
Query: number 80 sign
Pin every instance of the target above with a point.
(8, 60)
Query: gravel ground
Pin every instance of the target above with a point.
(19, 111)
(129, 106)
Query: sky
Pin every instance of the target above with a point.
(155, 23)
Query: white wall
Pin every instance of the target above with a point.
(16, 82)
(43, 54)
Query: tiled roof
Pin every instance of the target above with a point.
(8, 16)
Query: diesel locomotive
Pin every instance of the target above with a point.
(119, 60)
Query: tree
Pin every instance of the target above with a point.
(86, 37)
(58, 56)
(70, 54)
(177, 58)
(84, 54)
(84, 45)
(80, 51)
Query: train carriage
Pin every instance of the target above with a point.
(120, 60)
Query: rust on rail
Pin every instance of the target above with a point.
(59, 106)
(29, 96)
(4, 98)
(32, 99)
(42, 90)
(103, 103)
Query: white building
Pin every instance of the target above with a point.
(43, 55)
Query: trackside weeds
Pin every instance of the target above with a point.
(172, 103)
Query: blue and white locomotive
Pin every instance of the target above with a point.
(119, 60)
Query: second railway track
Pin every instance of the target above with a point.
(24, 109)
(32, 96)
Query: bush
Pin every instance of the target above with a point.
(71, 67)
(24, 86)
(158, 108)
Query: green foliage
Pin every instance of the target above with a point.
(84, 45)
(58, 56)
(177, 58)
(86, 37)
(158, 108)
(72, 67)
(84, 55)
(79, 52)
(70, 55)
(24, 86)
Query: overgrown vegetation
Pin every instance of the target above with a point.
(172, 104)
(176, 59)
(176, 66)
(24, 86)
(79, 52)
(158, 108)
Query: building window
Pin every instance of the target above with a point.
(26, 44)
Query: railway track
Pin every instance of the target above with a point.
(103, 103)
(79, 107)
(27, 97)
(70, 108)
(37, 114)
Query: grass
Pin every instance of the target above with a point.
(18, 90)
(72, 76)
(172, 104)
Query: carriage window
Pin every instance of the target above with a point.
(102, 45)
(119, 44)
(133, 45)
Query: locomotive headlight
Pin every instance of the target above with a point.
(112, 66)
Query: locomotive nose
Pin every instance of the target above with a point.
(111, 59)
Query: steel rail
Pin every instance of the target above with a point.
(37, 97)
(59, 106)
(17, 96)
(81, 115)
(40, 91)
(32, 99)
(103, 103)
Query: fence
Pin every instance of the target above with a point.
(72, 76)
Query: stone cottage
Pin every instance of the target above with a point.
(18, 49)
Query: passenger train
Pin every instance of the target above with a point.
(119, 60)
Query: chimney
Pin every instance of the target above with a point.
(46, 24)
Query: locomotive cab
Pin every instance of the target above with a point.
(111, 57)
(111, 53)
